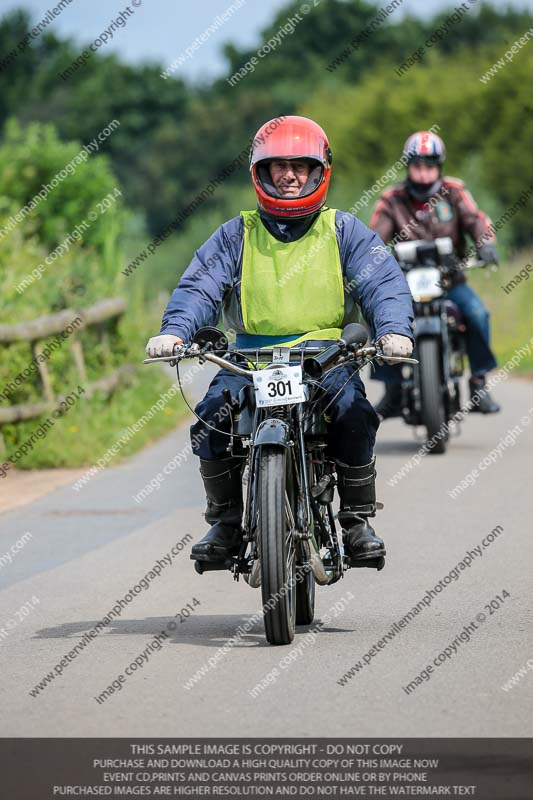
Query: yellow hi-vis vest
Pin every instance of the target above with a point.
(292, 288)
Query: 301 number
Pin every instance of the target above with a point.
(279, 388)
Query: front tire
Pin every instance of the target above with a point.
(277, 545)
(433, 409)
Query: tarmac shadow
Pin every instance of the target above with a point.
(205, 630)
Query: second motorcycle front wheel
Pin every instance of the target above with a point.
(276, 545)
(433, 409)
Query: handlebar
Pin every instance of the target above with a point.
(462, 265)
(458, 264)
(364, 354)
(472, 263)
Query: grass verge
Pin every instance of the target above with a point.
(92, 426)
(511, 320)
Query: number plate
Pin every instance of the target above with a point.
(279, 386)
(424, 283)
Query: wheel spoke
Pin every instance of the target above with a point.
(291, 555)
(288, 511)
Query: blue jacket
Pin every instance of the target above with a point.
(372, 277)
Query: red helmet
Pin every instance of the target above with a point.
(291, 138)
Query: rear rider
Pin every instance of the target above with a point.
(425, 206)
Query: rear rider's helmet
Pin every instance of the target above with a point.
(424, 146)
(291, 138)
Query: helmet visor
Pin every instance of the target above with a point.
(431, 161)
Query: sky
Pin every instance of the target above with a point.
(161, 30)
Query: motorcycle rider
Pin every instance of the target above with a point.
(425, 206)
(293, 271)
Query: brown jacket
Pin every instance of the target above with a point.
(452, 212)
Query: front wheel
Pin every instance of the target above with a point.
(276, 542)
(433, 409)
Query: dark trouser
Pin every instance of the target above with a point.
(352, 422)
(476, 318)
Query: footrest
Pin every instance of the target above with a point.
(211, 566)
(213, 556)
(370, 563)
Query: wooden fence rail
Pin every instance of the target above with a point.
(42, 328)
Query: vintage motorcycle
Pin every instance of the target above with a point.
(431, 390)
(289, 537)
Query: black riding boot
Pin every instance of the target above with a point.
(483, 402)
(390, 404)
(223, 487)
(357, 492)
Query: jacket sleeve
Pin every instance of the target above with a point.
(197, 299)
(382, 220)
(374, 279)
(474, 221)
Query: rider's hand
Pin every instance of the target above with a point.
(162, 345)
(393, 344)
(487, 253)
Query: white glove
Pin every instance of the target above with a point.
(393, 344)
(162, 345)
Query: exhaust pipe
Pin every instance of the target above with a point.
(253, 578)
(317, 565)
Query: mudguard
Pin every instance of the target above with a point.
(427, 326)
(272, 432)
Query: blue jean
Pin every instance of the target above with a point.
(352, 421)
(476, 318)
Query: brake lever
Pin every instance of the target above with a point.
(394, 359)
(159, 360)
(373, 352)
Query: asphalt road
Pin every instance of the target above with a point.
(88, 549)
